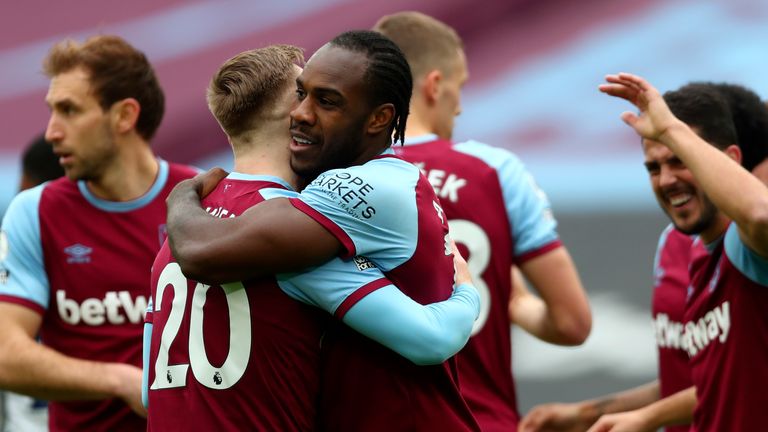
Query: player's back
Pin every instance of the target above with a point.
(365, 385)
(96, 254)
(468, 178)
(243, 356)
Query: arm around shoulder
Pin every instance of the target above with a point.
(268, 238)
(424, 334)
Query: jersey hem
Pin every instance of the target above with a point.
(538, 252)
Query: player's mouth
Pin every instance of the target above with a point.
(65, 158)
(679, 199)
(301, 142)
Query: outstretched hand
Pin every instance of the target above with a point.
(655, 118)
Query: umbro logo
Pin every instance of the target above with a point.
(78, 254)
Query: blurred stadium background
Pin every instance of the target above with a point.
(534, 69)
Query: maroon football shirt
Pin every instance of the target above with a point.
(243, 356)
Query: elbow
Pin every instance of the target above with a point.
(574, 331)
(757, 220)
(428, 357)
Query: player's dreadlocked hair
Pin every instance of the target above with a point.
(388, 74)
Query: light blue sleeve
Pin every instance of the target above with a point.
(21, 253)
(145, 348)
(370, 208)
(528, 209)
(752, 265)
(359, 294)
(424, 334)
(145, 364)
(329, 285)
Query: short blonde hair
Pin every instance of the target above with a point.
(426, 42)
(248, 84)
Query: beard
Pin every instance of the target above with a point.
(706, 218)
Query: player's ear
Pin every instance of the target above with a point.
(734, 152)
(430, 85)
(380, 119)
(124, 114)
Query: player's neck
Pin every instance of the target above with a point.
(264, 156)
(718, 228)
(130, 175)
(417, 126)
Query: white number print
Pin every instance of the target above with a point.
(233, 368)
(476, 240)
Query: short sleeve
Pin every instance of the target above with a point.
(370, 209)
(335, 286)
(23, 279)
(747, 261)
(532, 222)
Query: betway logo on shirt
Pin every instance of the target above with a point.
(669, 334)
(713, 326)
(114, 308)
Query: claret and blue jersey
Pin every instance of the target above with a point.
(82, 262)
(498, 217)
(266, 374)
(388, 212)
(725, 325)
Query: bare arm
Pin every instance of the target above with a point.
(579, 416)
(672, 410)
(735, 191)
(33, 369)
(271, 237)
(561, 315)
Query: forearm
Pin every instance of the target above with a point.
(198, 240)
(33, 369)
(424, 334)
(561, 315)
(672, 410)
(530, 314)
(271, 237)
(627, 400)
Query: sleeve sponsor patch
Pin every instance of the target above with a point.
(363, 263)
